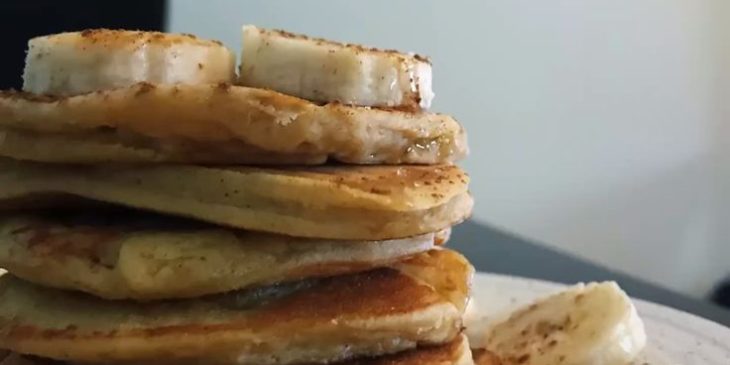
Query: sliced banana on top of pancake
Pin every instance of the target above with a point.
(594, 324)
(81, 62)
(326, 71)
(102, 96)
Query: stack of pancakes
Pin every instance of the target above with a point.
(157, 208)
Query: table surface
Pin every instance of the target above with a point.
(493, 250)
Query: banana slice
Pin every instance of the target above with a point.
(594, 324)
(81, 62)
(326, 71)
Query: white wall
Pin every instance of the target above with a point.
(595, 126)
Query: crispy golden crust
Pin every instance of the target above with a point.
(131, 255)
(369, 314)
(220, 124)
(366, 202)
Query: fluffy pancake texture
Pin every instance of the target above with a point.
(334, 319)
(337, 202)
(151, 212)
(219, 124)
(131, 255)
(109, 146)
(456, 352)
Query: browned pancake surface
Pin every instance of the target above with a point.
(220, 124)
(455, 352)
(128, 254)
(372, 313)
(375, 202)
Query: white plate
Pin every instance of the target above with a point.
(675, 337)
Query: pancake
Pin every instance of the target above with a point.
(218, 124)
(337, 202)
(455, 352)
(481, 357)
(334, 319)
(102, 146)
(132, 255)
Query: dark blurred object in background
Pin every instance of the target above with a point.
(22, 20)
(721, 295)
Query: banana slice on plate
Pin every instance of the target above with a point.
(326, 71)
(81, 62)
(594, 324)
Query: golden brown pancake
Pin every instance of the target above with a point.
(125, 254)
(482, 357)
(337, 202)
(109, 145)
(218, 124)
(455, 352)
(333, 319)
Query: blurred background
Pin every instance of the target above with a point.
(598, 128)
